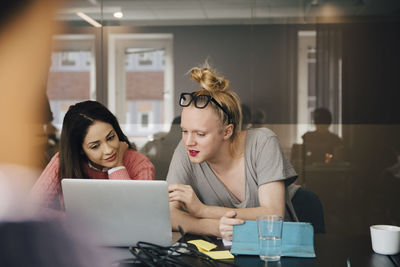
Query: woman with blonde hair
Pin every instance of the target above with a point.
(220, 175)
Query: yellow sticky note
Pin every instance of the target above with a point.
(201, 250)
(219, 255)
(202, 244)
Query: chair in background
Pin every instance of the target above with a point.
(308, 208)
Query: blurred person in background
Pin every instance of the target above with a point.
(50, 132)
(322, 146)
(246, 117)
(161, 149)
(26, 28)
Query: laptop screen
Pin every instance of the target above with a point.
(121, 212)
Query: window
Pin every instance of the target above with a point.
(144, 120)
(71, 75)
(68, 59)
(319, 79)
(306, 73)
(145, 59)
(141, 76)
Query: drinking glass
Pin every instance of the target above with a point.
(270, 237)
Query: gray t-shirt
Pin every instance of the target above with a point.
(264, 162)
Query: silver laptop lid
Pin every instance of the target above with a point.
(121, 212)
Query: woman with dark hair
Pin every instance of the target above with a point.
(92, 145)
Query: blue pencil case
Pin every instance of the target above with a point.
(297, 239)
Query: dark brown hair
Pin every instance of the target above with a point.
(75, 126)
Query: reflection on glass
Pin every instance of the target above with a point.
(286, 59)
(144, 70)
(68, 81)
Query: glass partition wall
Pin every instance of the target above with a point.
(320, 74)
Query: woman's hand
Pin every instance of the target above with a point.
(187, 197)
(123, 147)
(226, 224)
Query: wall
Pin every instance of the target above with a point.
(258, 60)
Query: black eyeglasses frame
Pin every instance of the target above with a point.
(209, 98)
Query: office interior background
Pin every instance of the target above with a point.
(284, 58)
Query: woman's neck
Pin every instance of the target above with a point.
(97, 167)
(224, 159)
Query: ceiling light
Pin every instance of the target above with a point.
(118, 14)
(88, 19)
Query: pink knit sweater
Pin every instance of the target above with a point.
(47, 188)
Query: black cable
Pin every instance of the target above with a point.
(153, 255)
(160, 254)
(182, 239)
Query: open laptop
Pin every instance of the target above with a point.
(121, 212)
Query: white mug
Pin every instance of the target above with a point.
(385, 239)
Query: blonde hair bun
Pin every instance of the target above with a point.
(208, 79)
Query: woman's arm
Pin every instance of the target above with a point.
(192, 224)
(272, 201)
(201, 218)
(135, 166)
(46, 190)
(271, 197)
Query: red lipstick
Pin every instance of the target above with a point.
(193, 153)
